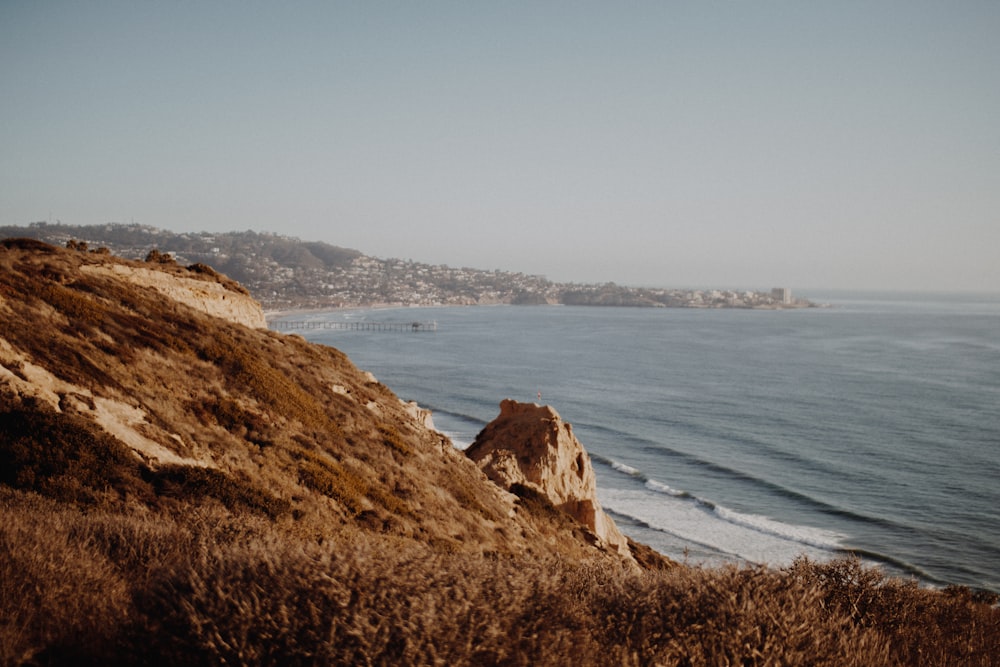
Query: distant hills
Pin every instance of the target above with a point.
(286, 273)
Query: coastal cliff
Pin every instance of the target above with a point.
(181, 486)
(167, 367)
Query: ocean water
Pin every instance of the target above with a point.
(869, 427)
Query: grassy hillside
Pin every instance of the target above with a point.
(176, 488)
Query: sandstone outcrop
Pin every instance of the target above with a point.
(531, 445)
(212, 298)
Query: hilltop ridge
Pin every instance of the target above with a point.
(285, 273)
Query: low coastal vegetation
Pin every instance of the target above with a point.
(218, 586)
(176, 488)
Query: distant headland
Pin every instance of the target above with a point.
(285, 273)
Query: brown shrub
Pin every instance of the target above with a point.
(246, 371)
(23, 243)
(64, 456)
(74, 304)
(956, 626)
(349, 488)
(156, 257)
(740, 616)
(330, 479)
(192, 483)
(392, 439)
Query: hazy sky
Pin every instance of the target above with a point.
(690, 144)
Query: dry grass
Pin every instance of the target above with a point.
(218, 587)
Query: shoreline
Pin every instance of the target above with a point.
(271, 315)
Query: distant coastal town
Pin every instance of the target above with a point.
(285, 273)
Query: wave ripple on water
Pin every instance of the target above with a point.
(869, 427)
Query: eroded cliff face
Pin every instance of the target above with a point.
(531, 445)
(212, 298)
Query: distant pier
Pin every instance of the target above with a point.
(300, 325)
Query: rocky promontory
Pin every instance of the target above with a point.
(530, 445)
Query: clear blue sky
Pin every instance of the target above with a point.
(707, 144)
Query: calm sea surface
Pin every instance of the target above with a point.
(871, 426)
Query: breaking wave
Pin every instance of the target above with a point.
(751, 537)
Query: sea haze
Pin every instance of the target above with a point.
(869, 427)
